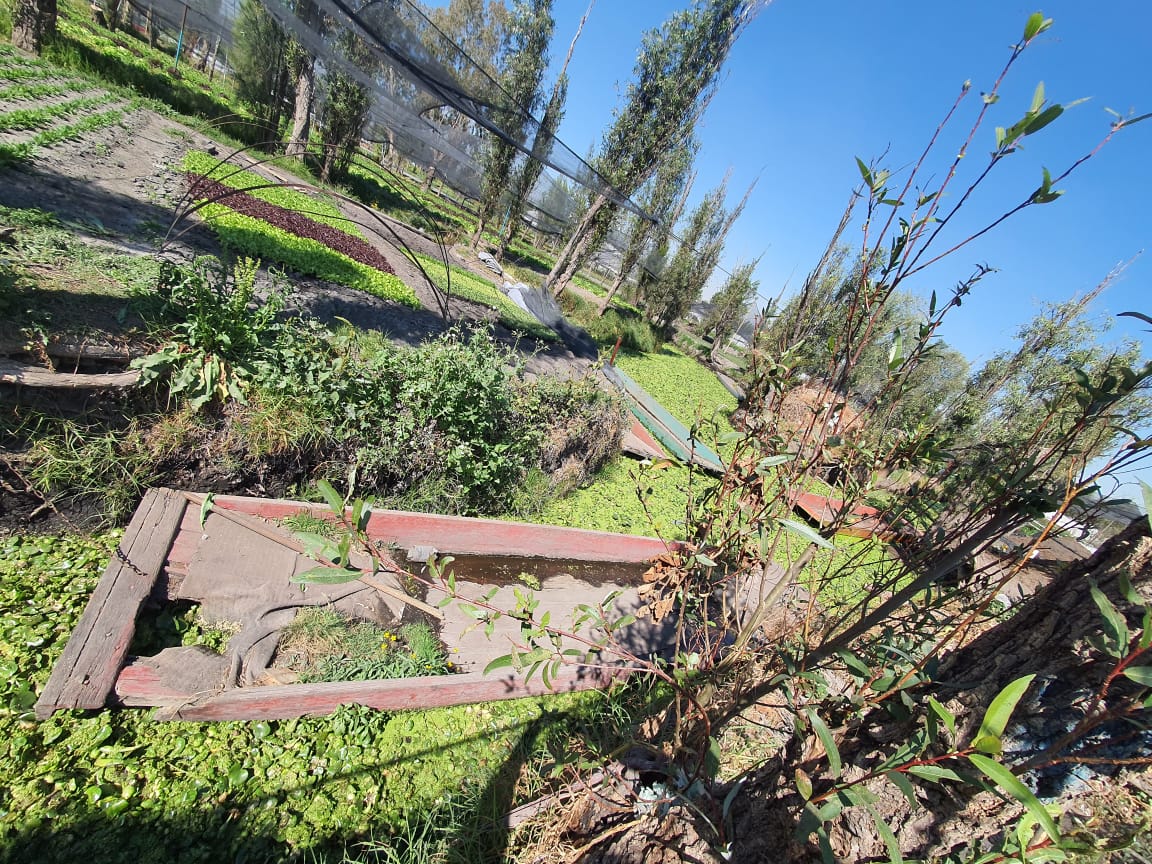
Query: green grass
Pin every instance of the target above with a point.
(471, 287)
(318, 208)
(118, 786)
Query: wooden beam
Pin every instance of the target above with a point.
(12, 372)
(86, 672)
(467, 536)
(139, 686)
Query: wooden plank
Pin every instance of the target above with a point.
(86, 672)
(303, 700)
(467, 536)
(12, 372)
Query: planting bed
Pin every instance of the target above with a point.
(239, 568)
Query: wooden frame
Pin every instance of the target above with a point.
(95, 671)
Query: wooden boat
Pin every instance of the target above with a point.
(170, 554)
(668, 431)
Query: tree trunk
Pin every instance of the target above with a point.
(302, 116)
(577, 249)
(607, 301)
(33, 24)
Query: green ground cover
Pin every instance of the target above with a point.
(688, 390)
(117, 786)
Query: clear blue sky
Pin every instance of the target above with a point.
(812, 84)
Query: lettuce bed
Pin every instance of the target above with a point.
(205, 188)
(318, 209)
(250, 236)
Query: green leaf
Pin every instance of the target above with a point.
(886, 835)
(712, 758)
(803, 784)
(944, 714)
(772, 461)
(317, 545)
(206, 507)
(807, 532)
(1035, 25)
(1114, 623)
(1042, 119)
(326, 576)
(1011, 784)
(1038, 98)
(1146, 493)
(825, 736)
(1140, 674)
(996, 717)
(864, 171)
(237, 774)
(504, 662)
(855, 664)
(703, 560)
(334, 499)
(935, 773)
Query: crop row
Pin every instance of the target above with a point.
(253, 237)
(37, 91)
(317, 209)
(37, 118)
(461, 283)
(27, 149)
(28, 73)
(206, 188)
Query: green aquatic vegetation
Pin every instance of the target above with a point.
(683, 386)
(118, 786)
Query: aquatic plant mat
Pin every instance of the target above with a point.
(235, 562)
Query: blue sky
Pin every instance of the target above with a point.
(812, 84)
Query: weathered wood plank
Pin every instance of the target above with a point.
(462, 535)
(86, 672)
(302, 700)
(12, 372)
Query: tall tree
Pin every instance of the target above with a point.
(346, 106)
(666, 190)
(525, 60)
(526, 176)
(257, 60)
(33, 24)
(681, 285)
(303, 66)
(730, 306)
(674, 77)
(1024, 402)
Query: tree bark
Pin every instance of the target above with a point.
(607, 301)
(33, 24)
(577, 249)
(302, 116)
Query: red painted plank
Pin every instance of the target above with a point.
(301, 700)
(87, 669)
(467, 536)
